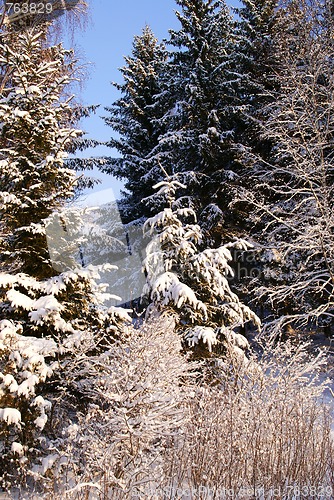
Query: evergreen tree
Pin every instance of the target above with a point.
(197, 142)
(191, 283)
(35, 135)
(35, 182)
(44, 314)
(253, 76)
(175, 112)
(256, 56)
(138, 118)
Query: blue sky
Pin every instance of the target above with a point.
(104, 43)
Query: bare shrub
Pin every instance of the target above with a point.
(118, 447)
(261, 429)
(264, 430)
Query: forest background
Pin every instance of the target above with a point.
(190, 365)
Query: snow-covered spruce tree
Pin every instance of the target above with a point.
(293, 202)
(255, 58)
(251, 73)
(36, 131)
(46, 317)
(34, 138)
(137, 116)
(198, 138)
(193, 283)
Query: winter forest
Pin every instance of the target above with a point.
(176, 343)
